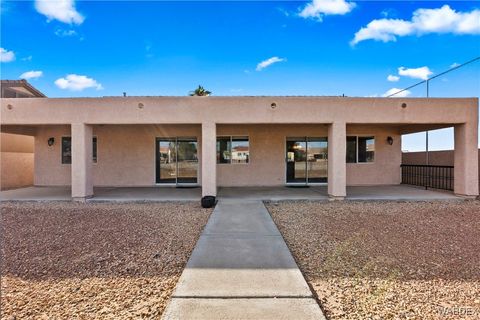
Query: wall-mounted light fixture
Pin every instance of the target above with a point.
(51, 141)
(140, 105)
(404, 105)
(273, 105)
(9, 107)
(389, 140)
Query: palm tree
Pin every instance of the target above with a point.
(200, 92)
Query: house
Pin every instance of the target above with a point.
(235, 141)
(16, 159)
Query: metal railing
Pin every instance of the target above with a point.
(428, 176)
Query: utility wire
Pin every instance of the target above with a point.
(435, 76)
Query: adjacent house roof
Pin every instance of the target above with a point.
(19, 89)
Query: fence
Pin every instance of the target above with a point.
(428, 176)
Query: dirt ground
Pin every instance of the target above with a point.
(387, 260)
(109, 261)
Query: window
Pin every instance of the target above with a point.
(94, 151)
(232, 150)
(360, 149)
(67, 150)
(351, 149)
(366, 149)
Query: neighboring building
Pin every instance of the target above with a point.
(16, 159)
(235, 141)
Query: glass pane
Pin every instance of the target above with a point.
(167, 159)
(66, 150)
(366, 149)
(317, 159)
(187, 159)
(94, 149)
(223, 149)
(351, 149)
(296, 161)
(240, 150)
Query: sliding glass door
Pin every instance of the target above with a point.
(306, 160)
(187, 161)
(296, 160)
(176, 160)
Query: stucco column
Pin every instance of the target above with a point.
(209, 159)
(337, 167)
(82, 180)
(466, 159)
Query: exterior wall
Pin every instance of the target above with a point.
(126, 154)
(386, 167)
(16, 161)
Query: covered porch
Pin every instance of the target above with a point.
(280, 193)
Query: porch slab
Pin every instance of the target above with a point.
(383, 192)
(397, 192)
(274, 193)
(121, 194)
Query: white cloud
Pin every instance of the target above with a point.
(6, 56)
(31, 75)
(454, 65)
(393, 78)
(319, 8)
(262, 65)
(402, 94)
(65, 33)
(423, 21)
(76, 82)
(416, 73)
(61, 10)
(29, 58)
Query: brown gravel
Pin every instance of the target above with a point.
(387, 260)
(70, 260)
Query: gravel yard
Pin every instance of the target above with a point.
(387, 260)
(69, 260)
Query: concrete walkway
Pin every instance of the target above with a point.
(241, 268)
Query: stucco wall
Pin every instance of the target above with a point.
(16, 161)
(126, 154)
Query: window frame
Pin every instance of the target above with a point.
(94, 160)
(231, 137)
(356, 148)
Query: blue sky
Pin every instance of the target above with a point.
(94, 48)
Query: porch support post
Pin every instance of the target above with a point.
(209, 159)
(466, 159)
(82, 180)
(337, 167)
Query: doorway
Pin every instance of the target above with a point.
(306, 160)
(176, 161)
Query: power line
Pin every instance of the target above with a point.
(435, 76)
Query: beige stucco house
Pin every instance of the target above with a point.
(235, 141)
(16, 157)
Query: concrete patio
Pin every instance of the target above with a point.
(387, 192)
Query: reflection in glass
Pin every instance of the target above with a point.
(187, 161)
(240, 150)
(296, 161)
(317, 159)
(168, 161)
